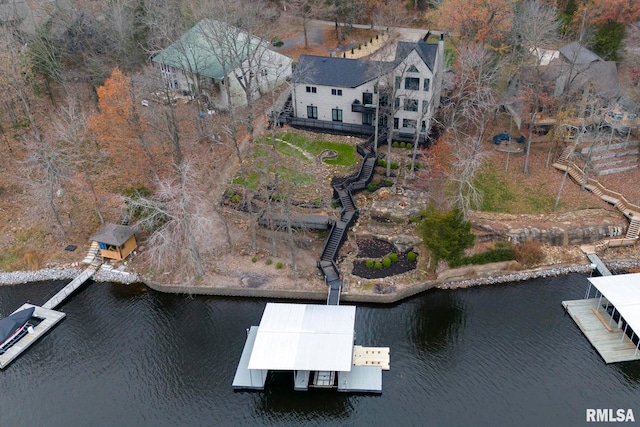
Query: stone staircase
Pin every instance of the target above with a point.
(92, 255)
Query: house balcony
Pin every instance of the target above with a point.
(358, 107)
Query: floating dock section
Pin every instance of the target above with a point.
(316, 344)
(611, 318)
(49, 318)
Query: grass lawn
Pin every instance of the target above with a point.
(300, 150)
(505, 195)
(347, 155)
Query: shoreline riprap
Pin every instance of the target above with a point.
(68, 273)
(123, 277)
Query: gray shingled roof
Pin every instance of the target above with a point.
(340, 72)
(581, 54)
(113, 234)
(343, 72)
(427, 51)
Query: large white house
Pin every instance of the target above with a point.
(343, 94)
(221, 62)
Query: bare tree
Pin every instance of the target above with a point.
(467, 118)
(69, 129)
(186, 230)
(535, 25)
(46, 168)
(306, 10)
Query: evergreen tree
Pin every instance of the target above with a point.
(445, 234)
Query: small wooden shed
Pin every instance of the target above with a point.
(116, 241)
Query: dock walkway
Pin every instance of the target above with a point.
(47, 314)
(59, 298)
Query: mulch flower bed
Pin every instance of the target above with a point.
(375, 249)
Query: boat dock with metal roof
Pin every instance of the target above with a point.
(316, 344)
(610, 319)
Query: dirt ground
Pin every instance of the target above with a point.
(28, 231)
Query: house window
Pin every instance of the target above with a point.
(426, 85)
(367, 98)
(383, 100)
(170, 76)
(423, 128)
(409, 123)
(336, 115)
(410, 105)
(413, 69)
(311, 89)
(396, 122)
(412, 83)
(396, 103)
(398, 80)
(425, 104)
(264, 72)
(367, 119)
(336, 92)
(312, 112)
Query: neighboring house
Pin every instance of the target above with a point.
(220, 61)
(575, 73)
(116, 241)
(342, 94)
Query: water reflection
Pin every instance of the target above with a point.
(433, 322)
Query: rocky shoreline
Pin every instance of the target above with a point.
(115, 276)
(68, 273)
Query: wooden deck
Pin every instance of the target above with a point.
(609, 343)
(50, 318)
(371, 356)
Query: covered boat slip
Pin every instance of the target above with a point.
(314, 342)
(610, 319)
(49, 319)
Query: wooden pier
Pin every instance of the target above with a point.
(601, 331)
(602, 269)
(50, 318)
(59, 298)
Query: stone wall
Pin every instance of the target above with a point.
(567, 228)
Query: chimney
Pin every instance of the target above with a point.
(426, 36)
(439, 69)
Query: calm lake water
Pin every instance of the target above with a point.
(496, 356)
